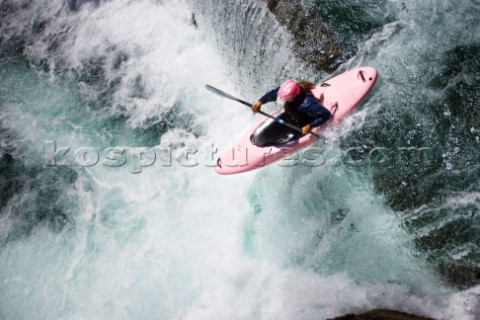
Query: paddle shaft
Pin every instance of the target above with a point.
(281, 121)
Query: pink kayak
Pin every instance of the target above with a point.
(267, 141)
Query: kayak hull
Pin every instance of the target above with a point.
(341, 95)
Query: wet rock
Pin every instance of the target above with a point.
(381, 314)
(193, 21)
(313, 42)
(76, 4)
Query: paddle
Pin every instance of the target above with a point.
(281, 121)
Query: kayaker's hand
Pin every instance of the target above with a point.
(256, 106)
(306, 129)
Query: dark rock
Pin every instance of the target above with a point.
(313, 42)
(381, 314)
(193, 21)
(74, 5)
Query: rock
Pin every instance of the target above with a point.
(381, 314)
(193, 21)
(314, 43)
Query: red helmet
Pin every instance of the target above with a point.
(289, 90)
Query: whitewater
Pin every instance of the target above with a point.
(176, 240)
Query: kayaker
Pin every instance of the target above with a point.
(299, 103)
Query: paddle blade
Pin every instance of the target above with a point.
(225, 95)
(215, 90)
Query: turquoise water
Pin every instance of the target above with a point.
(180, 242)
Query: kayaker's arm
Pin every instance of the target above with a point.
(270, 96)
(315, 110)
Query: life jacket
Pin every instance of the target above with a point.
(291, 108)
